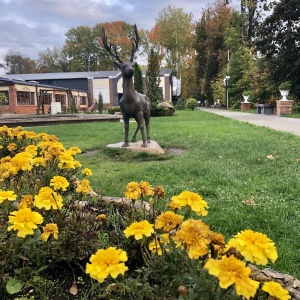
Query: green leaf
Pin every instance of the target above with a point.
(14, 286)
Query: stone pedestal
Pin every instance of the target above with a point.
(245, 106)
(152, 147)
(284, 107)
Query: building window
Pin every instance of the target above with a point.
(61, 98)
(5, 93)
(25, 98)
(83, 100)
(47, 99)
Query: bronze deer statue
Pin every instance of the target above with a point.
(132, 104)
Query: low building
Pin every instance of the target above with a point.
(108, 83)
(26, 97)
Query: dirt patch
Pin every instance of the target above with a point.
(175, 151)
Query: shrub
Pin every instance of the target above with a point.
(285, 86)
(191, 103)
(100, 103)
(180, 105)
(113, 109)
(157, 111)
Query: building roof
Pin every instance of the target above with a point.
(75, 75)
(5, 81)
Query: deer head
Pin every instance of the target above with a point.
(126, 68)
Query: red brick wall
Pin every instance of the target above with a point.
(284, 107)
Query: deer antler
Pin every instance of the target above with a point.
(110, 46)
(135, 42)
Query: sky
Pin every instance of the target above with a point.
(32, 26)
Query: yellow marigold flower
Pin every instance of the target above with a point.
(48, 198)
(146, 189)
(21, 161)
(194, 236)
(1, 147)
(254, 246)
(139, 229)
(74, 150)
(49, 229)
(102, 217)
(39, 161)
(196, 203)
(59, 182)
(107, 262)
(133, 191)
(168, 221)
(32, 149)
(31, 135)
(66, 161)
(24, 221)
(83, 186)
(155, 245)
(11, 147)
(159, 192)
(230, 270)
(54, 148)
(77, 164)
(26, 201)
(7, 195)
(87, 172)
(275, 290)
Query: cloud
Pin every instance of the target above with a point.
(32, 26)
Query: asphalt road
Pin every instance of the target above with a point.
(291, 125)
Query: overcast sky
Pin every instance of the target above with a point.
(31, 26)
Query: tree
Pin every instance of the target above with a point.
(212, 54)
(82, 49)
(174, 32)
(16, 63)
(278, 40)
(154, 92)
(52, 61)
(138, 79)
(118, 34)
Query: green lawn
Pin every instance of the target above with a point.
(231, 164)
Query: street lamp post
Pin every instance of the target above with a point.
(226, 81)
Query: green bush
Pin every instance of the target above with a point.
(113, 109)
(191, 103)
(100, 103)
(180, 105)
(158, 111)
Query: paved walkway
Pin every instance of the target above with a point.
(291, 125)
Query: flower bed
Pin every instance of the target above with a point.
(50, 220)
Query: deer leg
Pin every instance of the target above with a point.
(126, 128)
(133, 139)
(147, 121)
(140, 120)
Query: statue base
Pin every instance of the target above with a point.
(152, 147)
